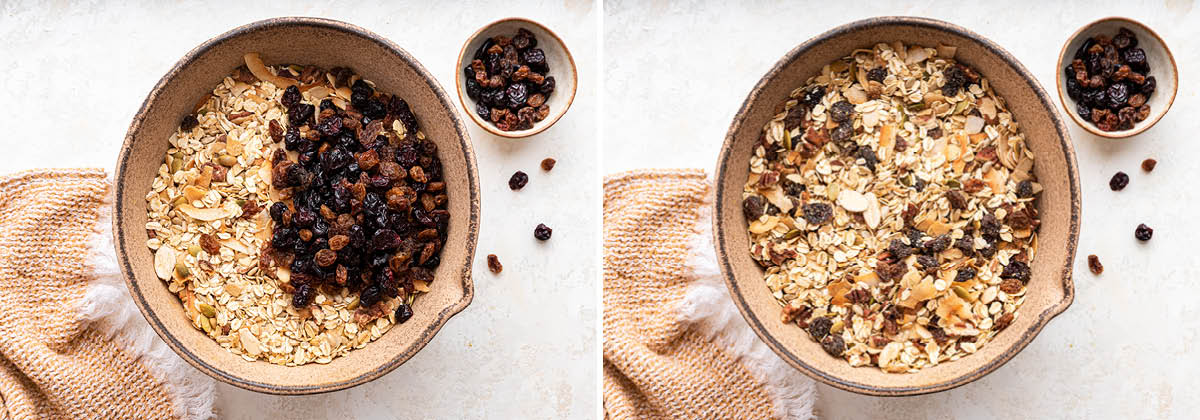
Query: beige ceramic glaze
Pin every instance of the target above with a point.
(324, 43)
(562, 67)
(1050, 289)
(1162, 67)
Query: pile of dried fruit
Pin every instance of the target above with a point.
(507, 80)
(298, 214)
(891, 203)
(1110, 82)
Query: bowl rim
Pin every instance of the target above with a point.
(719, 227)
(545, 124)
(470, 243)
(1138, 128)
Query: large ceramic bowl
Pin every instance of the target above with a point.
(324, 43)
(1050, 291)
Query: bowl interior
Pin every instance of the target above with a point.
(327, 44)
(562, 68)
(1050, 289)
(1162, 67)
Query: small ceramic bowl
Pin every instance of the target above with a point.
(1050, 289)
(1162, 67)
(325, 43)
(562, 68)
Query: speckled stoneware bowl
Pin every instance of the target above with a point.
(562, 68)
(1162, 67)
(324, 43)
(1050, 290)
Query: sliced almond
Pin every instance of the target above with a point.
(973, 125)
(873, 214)
(852, 201)
(164, 262)
(249, 342)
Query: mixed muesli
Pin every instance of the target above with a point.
(891, 202)
(298, 213)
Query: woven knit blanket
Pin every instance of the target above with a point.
(675, 347)
(73, 344)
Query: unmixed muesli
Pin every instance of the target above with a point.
(298, 213)
(891, 202)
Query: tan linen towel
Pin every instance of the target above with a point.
(60, 353)
(674, 345)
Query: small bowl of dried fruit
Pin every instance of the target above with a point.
(515, 78)
(296, 207)
(1116, 77)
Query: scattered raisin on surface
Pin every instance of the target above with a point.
(403, 313)
(817, 213)
(189, 122)
(548, 164)
(1149, 164)
(834, 345)
(1119, 181)
(1094, 264)
(819, 327)
(542, 232)
(1143, 232)
(518, 180)
(493, 263)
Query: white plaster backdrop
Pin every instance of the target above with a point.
(75, 73)
(676, 72)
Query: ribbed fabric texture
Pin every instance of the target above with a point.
(52, 364)
(655, 366)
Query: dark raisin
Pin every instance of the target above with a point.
(966, 245)
(1125, 39)
(938, 244)
(1149, 86)
(290, 97)
(1094, 264)
(518, 180)
(842, 133)
(964, 274)
(1117, 94)
(547, 86)
(817, 213)
(1119, 181)
(1074, 89)
(524, 39)
(493, 263)
(841, 111)
(928, 264)
(957, 200)
(834, 345)
(189, 122)
(877, 74)
(955, 79)
(813, 96)
(277, 210)
(1025, 189)
(370, 296)
(300, 114)
(1136, 59)
(1149, 164)
(302, 296)
(542, 232)
(483, 110)
(403, 313)
(517, 95)
(818, 328)
(899, 249)
(474, 90)
(1016, 270)
(1083, 110)
(1143, 232)
(753, 207)
(535, 58)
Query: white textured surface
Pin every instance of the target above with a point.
(75, 74)
(677, 72)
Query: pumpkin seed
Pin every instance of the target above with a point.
(207, 310)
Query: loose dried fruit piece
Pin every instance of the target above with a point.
(542, 232)
(1094, 264)
(518, 180)
(1149, 164)
(817, 213)
(493, 263)
(1119, 181)
(1143, 232)
(548, 164)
